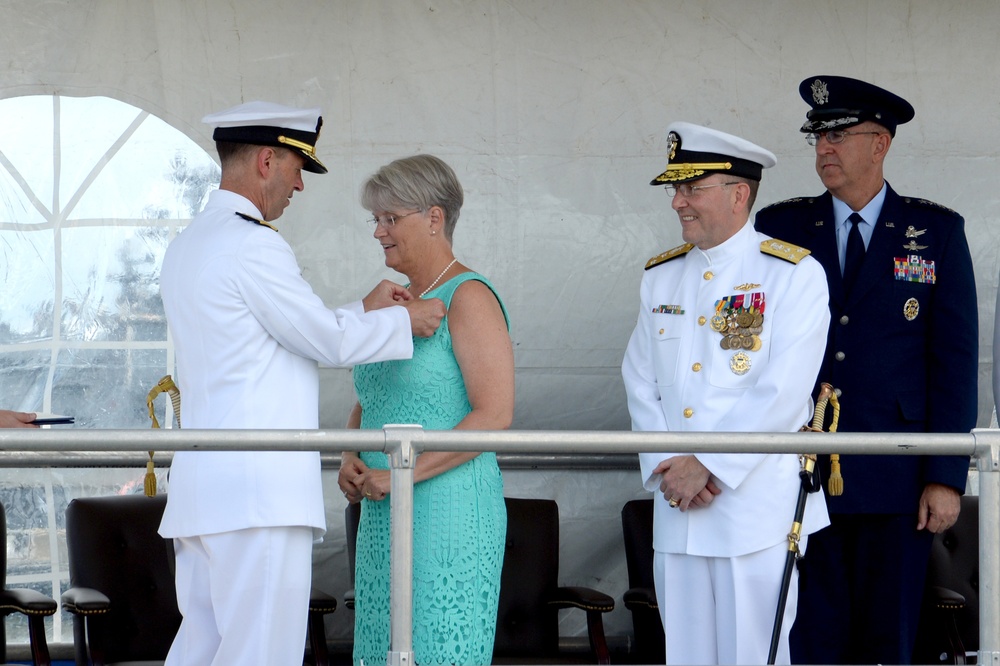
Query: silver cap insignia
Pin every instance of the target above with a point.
(820, 94)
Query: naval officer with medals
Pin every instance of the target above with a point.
(903, 350)
(249, 333)
(730, 337)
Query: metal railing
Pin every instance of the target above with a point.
(403, 443)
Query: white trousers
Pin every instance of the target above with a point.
(720, 610)
(244, 596)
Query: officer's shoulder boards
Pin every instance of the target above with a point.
(664, 257)
(256, 221)
(930, 204)
(789, 202)
(782, 250)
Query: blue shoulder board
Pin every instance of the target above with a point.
(789, 203)
(914, 201)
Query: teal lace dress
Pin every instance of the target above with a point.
(459, 518)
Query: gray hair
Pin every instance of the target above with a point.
(417, 182)
(754, 185)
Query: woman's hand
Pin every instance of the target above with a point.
(374, 484)
(350, 477)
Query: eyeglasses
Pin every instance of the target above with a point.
(833, 136)
(688, 191)
(388, 220)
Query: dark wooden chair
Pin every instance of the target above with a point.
(30, 603)
(122, 592)
(530, 594)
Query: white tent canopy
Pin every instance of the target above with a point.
(551, 112)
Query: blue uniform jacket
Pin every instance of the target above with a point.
(902, 347)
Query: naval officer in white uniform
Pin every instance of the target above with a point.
(730, 336)
(249, 333)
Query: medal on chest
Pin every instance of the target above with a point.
(739, 319)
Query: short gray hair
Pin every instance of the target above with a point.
(419, 182)
(754, 185)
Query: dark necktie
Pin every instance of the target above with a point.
(855, 254)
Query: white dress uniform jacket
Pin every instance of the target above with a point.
(679, 378)
(249, 334)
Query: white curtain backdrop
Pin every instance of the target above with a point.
(552, 112)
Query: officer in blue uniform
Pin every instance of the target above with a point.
(902, 350)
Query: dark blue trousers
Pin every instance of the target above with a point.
(861, 583)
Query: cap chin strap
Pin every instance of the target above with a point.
(301, 145)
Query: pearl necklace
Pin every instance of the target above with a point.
(438, 278)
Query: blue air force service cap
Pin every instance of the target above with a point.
(697, 152)
(267, 124)
(839, 102)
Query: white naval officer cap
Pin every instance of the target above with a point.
(269, 124)
(696, 152)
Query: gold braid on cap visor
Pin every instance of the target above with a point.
(301, 145)
(684, 171)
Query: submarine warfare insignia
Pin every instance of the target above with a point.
(740, 321)
(911, 308)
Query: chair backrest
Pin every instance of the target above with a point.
(527, 626)
(637, 533)
(114, 548)
(954, 564)
(352, 519)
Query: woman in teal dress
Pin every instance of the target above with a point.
(461, 377)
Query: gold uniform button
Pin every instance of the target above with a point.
(696, 367)
(688, 413)
(709, 275)
(702, 320)
(661, 331)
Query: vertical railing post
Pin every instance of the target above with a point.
(402, 461)
(988, 465)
